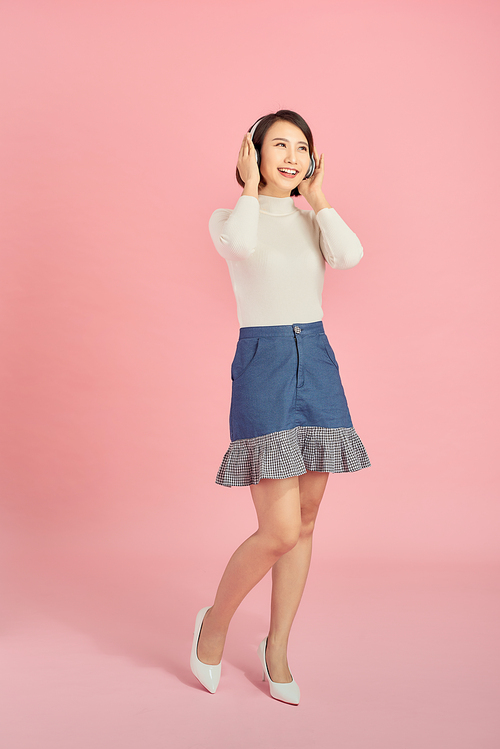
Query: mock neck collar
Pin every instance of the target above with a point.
(276, 206)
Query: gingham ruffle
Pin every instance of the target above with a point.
(292, 452)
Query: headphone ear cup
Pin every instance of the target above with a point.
(312, 167)
(252, 133)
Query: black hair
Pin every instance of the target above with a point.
(265, 123)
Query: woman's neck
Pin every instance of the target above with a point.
(274, 193)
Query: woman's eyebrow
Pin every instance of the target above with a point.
(285, 140)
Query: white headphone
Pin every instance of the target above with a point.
(312, 163)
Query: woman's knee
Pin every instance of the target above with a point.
(277, 502)
(309, 513)
(284, 540)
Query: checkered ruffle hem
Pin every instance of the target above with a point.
(292, 452)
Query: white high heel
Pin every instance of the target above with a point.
(288, 692)
(206, 674)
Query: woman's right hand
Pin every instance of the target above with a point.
(247, 163)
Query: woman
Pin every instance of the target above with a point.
(289, 420)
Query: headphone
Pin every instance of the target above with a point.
(312, 163)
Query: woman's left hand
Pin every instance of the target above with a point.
(312, 188)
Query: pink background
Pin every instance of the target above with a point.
(120, 126)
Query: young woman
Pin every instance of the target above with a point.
(289, 420)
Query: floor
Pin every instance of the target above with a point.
(95, 648)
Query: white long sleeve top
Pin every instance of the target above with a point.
(276, 255)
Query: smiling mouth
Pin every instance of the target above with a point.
(288, 172)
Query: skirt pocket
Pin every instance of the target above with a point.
(246, 351)
(329, 352)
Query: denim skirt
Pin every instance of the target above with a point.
(289, 413)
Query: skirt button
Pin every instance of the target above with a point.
(296, 329)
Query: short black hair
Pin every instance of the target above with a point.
(265, 123)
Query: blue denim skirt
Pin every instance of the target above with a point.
(289, 413)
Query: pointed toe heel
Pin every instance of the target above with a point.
(206, 674)
(288, 692)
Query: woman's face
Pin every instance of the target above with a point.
(284, 159)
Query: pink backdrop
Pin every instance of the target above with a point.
(120, 124)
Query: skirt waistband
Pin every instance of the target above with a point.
(283, 331)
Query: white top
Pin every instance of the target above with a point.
(276, 256)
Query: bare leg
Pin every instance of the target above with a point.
(277, 502)
(289, 577)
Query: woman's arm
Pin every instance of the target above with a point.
(340, 246)
(234, 233)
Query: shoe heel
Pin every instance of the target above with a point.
(286, 692)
